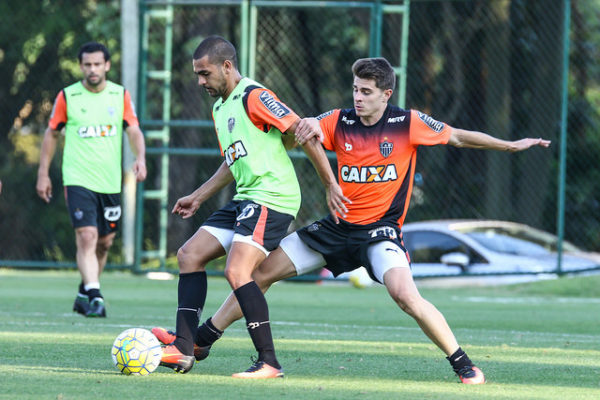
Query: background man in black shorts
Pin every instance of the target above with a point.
(98, 112)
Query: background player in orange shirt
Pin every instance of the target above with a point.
(376, 146)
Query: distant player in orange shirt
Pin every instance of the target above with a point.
(376, 147)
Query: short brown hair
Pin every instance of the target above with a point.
(377, 69)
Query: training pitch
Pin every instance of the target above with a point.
(533, 341)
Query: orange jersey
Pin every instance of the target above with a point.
(376, 164)
(59, 115)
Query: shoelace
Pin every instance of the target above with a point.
(466, 371)
(256, 365)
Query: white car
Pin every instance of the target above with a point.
(454, 247)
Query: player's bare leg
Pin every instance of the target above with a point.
(402, 288)
(86, 239)
(102, 247)
(274, 268)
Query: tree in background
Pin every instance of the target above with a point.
(39, 41)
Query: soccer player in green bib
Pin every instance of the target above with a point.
(93, 113)
(252, 125)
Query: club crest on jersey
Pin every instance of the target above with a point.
(386, 148)
(234, 152)
(369, 174)
(97, 131)
(436, 126)
(231, 124)
(275, 107)
(111, 111)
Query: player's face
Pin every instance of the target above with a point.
(211, 77)
(94, 68)
(369, 101)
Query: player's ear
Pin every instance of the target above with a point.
(228, 66)
(107, 66)
(387, 94)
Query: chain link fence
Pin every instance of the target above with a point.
(494, 66)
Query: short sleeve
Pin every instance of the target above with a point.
(265, 110)
(328, 122)
(129, 116)
(425, 130)
(58, 118)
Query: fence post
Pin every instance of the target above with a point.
(563, 137)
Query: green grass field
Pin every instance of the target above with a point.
(334, 342)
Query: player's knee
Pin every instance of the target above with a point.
(237, 276)
(262, 279)
(87, 238)
(104, 244)
(409, 303)
(188, 261)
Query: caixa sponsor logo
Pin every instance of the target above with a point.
(97, 131)
(276, 108)
(112, 213)
(368, 174)
(383, 231)
(235, 151)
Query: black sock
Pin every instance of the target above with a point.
(191, 294)
(94, 293)
(459, 359)
(82, 292)
(207, 334)
(254, 306)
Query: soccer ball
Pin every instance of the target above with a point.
(136, 351)
(359, 278)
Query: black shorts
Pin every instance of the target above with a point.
(344, 245)
(266, 226)
(88, 208)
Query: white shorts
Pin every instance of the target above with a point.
(226, 237)
(383, 256)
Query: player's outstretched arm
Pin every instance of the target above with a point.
(44, 184)
(188, 205)
(480, 140)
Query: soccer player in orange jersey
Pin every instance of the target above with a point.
(376, 148)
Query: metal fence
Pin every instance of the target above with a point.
(496, 66)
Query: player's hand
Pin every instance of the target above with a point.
(44, 188)
(308, 128)
(186, 206)
(335, 202)
(139, 169)
(524, 144)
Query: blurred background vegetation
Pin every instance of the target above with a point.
(494, 66)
